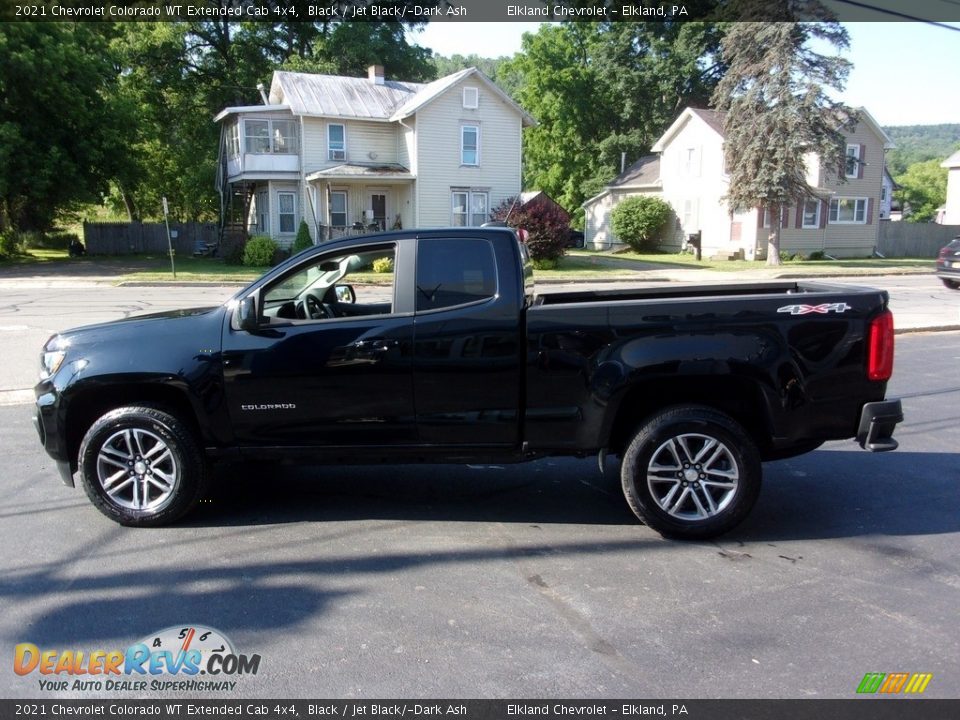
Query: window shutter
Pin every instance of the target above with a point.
(869, 211)
(798, 219)
(824, 213)
(860, 161)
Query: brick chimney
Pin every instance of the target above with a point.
(375, 74)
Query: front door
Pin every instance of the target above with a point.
(377, 208)
(326, 367)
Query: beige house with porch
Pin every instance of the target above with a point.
(360, 154)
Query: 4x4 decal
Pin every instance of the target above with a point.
(818, 309)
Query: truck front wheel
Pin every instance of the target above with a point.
(691, 472)
(141, 466)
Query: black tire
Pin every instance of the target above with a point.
(691, 473)
(952, 284)
(132, 452)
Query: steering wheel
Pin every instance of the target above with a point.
(315, 309)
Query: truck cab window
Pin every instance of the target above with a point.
(335, 286)
(453, 272)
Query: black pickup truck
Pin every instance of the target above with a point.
(431, 346)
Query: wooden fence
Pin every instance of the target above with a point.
(137, 237)
(907, 239)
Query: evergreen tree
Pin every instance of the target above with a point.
(775, 95)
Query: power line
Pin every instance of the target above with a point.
(897, 13)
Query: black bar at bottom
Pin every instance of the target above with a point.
(864, 708)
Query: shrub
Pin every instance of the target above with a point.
(232, 244)
(383, 265)
(545, 264)
(259, 251)
(817, 255)
(639, 221)
(303, 240)
(547, 226)
(9, 244)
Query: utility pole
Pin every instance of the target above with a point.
(166, 220)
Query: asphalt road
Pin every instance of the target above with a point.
(508, 582)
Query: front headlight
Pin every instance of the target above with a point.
(50, 362)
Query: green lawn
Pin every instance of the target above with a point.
(687, 261)
(576, 265)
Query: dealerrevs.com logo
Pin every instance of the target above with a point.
(173, 659)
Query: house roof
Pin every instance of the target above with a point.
(359, 99)
(644, 174)
(712, 118)
(248, 108)
(952, 162)
(380, 171)
(339, 96)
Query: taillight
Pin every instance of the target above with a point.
(880, 347)
(944, 251)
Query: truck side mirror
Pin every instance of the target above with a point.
(247, 313)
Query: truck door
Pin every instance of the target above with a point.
(329, 363)
(467, 345)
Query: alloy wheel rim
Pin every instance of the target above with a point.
(693, 477)
(137, 470)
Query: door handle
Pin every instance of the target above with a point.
(375, 345)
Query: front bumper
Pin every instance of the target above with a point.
(48, 423)
(878, 420)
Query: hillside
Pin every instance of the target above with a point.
(916, 143)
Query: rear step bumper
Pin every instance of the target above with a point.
(878, 420)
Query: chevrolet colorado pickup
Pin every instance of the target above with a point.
(432, 346)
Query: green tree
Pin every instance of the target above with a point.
(923, 190)
(599, 90)
(778, 110)
(639, 221)
(61, 130)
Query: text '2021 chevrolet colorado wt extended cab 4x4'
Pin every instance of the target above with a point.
(448, 355)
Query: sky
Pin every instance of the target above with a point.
(905, 73)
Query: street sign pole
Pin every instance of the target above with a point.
(166, 220)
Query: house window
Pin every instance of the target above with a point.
(811, 214)
(471, 98)
(883, 193)
(852, 168)
(233, 139)
(336, 142)
(691, 162)
(850, 211)
(691, 214)
(470, 145)
(257, 136)
(766, 216)
(338, 208)
(284, 134)
(262, 212)
(287, 211)
(268, 136)
(469, 208)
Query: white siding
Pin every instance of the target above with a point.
(598, 228)
(952, 214)
(691, 169)
(438, 167)
(367, 142)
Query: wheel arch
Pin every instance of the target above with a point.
(90, 403)
(740, 398)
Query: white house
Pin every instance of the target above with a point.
(842, 220)
(951, 212)
(347, 153)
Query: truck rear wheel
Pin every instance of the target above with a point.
(141, 466)
(691, 473)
